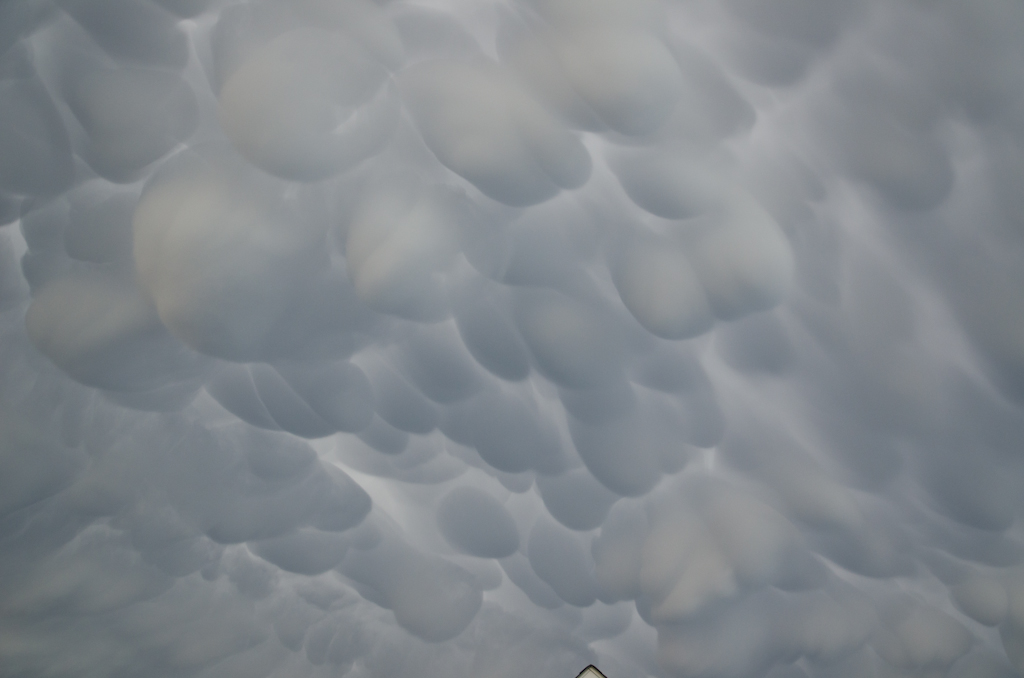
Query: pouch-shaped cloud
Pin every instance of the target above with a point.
(474, 522)
(133, 30)
(105, 333)
(133, 116)
(34, 144)
(484, 126)
(744, 261)
(396, 338)
(575, 344)
(403, 234)
(307, 105)
(658, 285)
(600, 67)
(197, 232)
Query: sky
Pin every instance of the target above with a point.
(489, 338)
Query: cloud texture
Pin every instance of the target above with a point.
(405, 338)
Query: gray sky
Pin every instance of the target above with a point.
(477, 339)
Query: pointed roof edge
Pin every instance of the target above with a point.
(592, 668)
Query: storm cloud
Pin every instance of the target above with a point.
(478, 338)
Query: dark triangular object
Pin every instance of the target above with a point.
(591, 672)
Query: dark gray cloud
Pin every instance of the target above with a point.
(394, 338)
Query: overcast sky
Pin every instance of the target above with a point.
(496, 338)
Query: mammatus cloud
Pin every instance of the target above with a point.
(398, 338)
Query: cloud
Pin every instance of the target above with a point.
(398, 338)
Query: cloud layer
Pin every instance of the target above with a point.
(385, 338)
